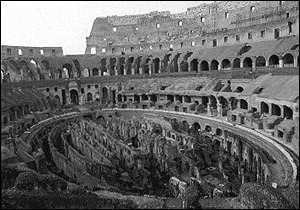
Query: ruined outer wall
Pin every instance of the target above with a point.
(14, 51)
(207, 21)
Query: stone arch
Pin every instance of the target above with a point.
(247, 62)
(68, 69)
(121, 66)
(213, 101)
(130, 65)
(195, 129)
(86, 72)
(57, 97)
(103, 68)
(112, 66)
(77, 67)
(219, 132)
(185, 126)
(214, 65)
(287, 112)
(187, 99)
(105, 96)
(138, 65)
(273, 60)
(146, 69)
(236, 63)
(260, 61)
(243, 104)
(95, 72)
(156, 65)
(175, 62)
(194, 65)
(264, 108)
(288, 60)
(74, 96)
(89, 97)
(239, 89)
(275, 110)
(208, 128)
(204, 66)
(226, 64)
(46, 69)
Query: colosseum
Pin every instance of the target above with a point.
(198, 109)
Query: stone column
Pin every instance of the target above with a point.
(219, 108)
(219, 66)
(132, 71)
(140, 70)
(280, 61)
(254, 64)
(125, 71)
(295, 61)
(241, 63)
(116, 70)
(150, 68)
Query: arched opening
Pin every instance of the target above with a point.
(288, 60)
(194, 65)
(204, 66)
(170, 98)
(274, 60)
(175, 62)
(146, 66)
(153, 98)
(214, 65)
(74, 96)
(95, 72)
(138, 65)
(20, 51)
(103, 68)
(122, 66)
(213, 101)
(60, 73)
(243, 104)
(224, 102)
(77, 67)
(205, 101)
(226, 64)
(89, 97)
(129, 65)
(156, 62)
(144, 97)
(260, 61)
(185, 126)
(187, 99)
(208, 128)
(275, 110)
(104, 95)
(112, 66)
(67, 68)
(219, 132)
(237, 63)
(178, 98)
(287, 112)
(239, 89)
(57, 98)
(264, 108)
(247, 62)
(136, 98)
(195, 129)
(184, 66)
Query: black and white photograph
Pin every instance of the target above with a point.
(149, 104)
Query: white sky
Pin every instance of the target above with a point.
(67, 23)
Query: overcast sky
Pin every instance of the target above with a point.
(66, 23)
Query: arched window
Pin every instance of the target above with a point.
(93, 50)
(20, 51)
